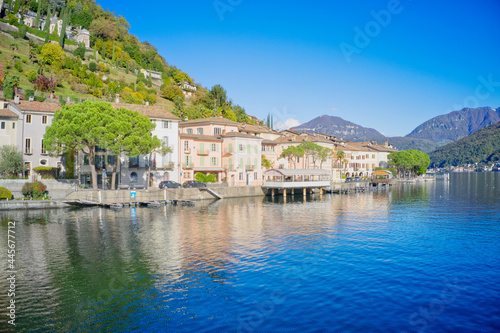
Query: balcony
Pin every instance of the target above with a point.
(250, 167)
(228, 151)
(28, 151)
(187, 150)
(187, 165)
(203, 152)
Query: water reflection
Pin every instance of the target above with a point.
(186, 268)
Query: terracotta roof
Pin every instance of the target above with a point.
(150, 111)
(200, 137)
(37, 106)
(269, 142)
(254, 128)
(7, 113)
(210, 120)
(240, 135)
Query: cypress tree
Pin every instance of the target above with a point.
(113, 56)
(63, 28)
(9, 7)
(127, 68)
(95, 53)
(37, 19)
(17, 6)
(103, 53)
(47, 26)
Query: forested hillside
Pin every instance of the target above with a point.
(111, 65)
(482, 146)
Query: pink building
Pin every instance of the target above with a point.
(215, 146)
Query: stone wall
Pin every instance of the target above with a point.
(7, 27)
(114, 196)
(57, 188)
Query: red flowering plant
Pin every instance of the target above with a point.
(34, 190)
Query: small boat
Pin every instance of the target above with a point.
(154, 204)
(116, 206)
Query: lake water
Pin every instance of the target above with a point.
(418, 258)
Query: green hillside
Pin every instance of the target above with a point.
(482, 147)
(111, 66)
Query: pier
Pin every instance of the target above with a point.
(284, 181)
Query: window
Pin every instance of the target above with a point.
(43, 162)
(133, 162)
(189, 131)
(27, 146)
(213, 161)
(133, 177)
(86, 160)
(217, 131)
(241, 147)
(43, 148)
(111, 160)
(373, 156)
(2, 125)
(263, 148)
(199, 131)
(298, 159)
(255, 175)
(165, 124)
(13, 125)
(44, 119)
(165, 141)
(241, 175)
(213, 147)
(28, 119)
(186, 146)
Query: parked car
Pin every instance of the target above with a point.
(193, 183)
(348, 180)
(169, 184)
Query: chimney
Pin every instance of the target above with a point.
(32, 98)
(117, 98)
(16, 99)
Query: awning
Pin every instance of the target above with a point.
(208, 169)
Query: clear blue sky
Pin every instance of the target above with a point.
(350, 59)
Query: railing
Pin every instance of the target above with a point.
(28, 151)
(203, 152)
(250, 167)
(187, 150)
(228, 151)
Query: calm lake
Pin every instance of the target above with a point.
(418, 258)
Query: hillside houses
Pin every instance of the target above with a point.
(233, 152)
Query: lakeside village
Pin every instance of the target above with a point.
(237, 154)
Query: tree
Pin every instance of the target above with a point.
(63, 28)
(42, 83)
(130, 133)
(52, 54)
(80, 51)
(171, 92)
(409, 162)
(17, 5)
(2, 74)
(292, 153)
(265, 162)
(11, 160)
(37, 19)
(80, 127)
(47, 26)
(9, 86)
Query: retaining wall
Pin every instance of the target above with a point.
(57, 188)
(115, 196)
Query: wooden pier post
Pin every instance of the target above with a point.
(272, 192)
(284, 193)
(305, 192)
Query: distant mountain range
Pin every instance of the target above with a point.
(455, 125)
(426, 137)
(340, 128)
(482, 146)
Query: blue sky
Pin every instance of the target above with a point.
(389, 65)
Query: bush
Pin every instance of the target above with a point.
(34, 190)
(5, 193)
(18, 66)
(12, 19)
(92, 66)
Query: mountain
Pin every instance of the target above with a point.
(339, 127)
(403, 143)
(482, 146)
(455, 125)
